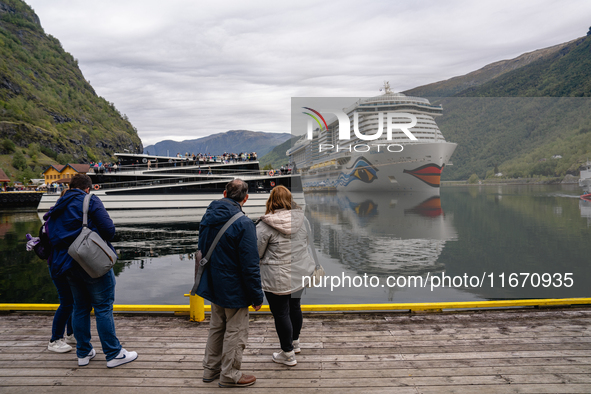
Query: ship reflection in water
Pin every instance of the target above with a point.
(381, 234)
(585, 207)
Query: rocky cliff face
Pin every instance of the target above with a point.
(45, 99)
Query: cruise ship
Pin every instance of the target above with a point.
(397, 164)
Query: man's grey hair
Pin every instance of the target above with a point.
(237, 190)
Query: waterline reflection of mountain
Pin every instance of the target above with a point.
(381, 234)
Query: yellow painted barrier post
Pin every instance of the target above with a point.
(196, 308)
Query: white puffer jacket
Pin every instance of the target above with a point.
(282, 240)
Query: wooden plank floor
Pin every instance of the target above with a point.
(512, 351)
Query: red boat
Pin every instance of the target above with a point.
(586, 197)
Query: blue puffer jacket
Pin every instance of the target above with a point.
(233, 277)
(65, 223)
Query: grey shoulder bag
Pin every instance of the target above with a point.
(202, 262)
(90, 250)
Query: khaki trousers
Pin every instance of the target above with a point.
(228, 333)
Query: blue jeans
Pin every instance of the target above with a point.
(63, 315)
(99, 294)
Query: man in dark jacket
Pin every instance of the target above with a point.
(232, 282)
(98, 293)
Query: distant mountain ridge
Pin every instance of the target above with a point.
(232, 141)
(455, 85)
(528, 116)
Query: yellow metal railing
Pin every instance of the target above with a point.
(197, 308)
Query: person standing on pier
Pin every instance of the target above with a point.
(283, 242)
(232, 282)
(98, 293)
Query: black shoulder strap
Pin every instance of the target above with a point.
(205, 260)
(221, 232)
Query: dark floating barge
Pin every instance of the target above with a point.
(20, 199)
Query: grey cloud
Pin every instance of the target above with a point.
(184, 69)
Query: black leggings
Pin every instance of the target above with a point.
(287, 313)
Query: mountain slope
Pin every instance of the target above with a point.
(45, 99)
(518, 136)
(518, 120)
(233, 141)
(489, 72)
(276, 158)
(566, 73)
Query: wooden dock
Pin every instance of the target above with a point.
(510, 351)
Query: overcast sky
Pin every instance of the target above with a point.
(184, 69)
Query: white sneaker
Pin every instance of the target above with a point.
(59, 346)
(123, 357)
(296, 346)
(285, 358)
(85, 360)
(70, 339)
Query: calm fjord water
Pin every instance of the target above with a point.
(471, 231)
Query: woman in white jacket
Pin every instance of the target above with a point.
(282, 238)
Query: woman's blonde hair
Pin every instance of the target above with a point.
(280, 198)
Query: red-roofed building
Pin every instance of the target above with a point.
(4, 179)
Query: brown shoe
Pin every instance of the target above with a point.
(245, 380)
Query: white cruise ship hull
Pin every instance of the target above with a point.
(417, 168)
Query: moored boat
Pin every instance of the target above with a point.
(141, 193)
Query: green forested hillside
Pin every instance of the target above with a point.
(46, 101)
(276, 158)
(534, 120)
(565, 74)
(517, 136)
(481, 76)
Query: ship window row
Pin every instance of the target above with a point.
(366, 125)
(376, 118)
(374, 128)
(416, 107)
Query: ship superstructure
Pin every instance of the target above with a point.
(359, 164)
